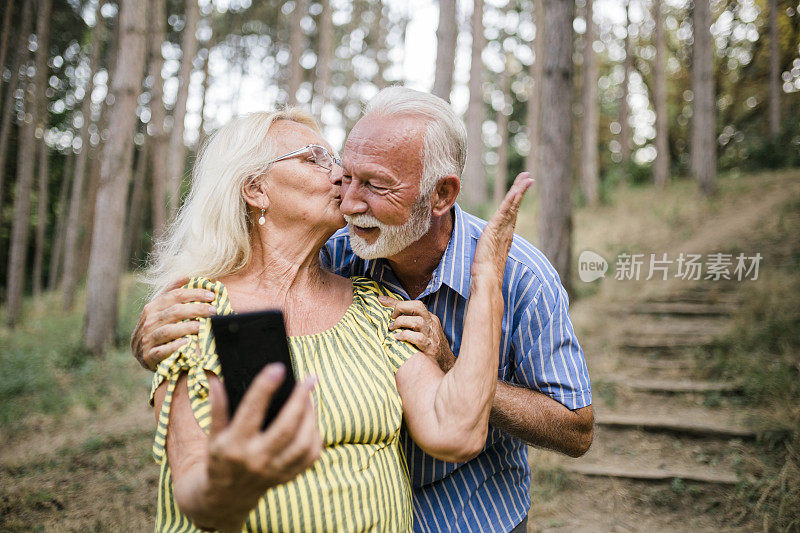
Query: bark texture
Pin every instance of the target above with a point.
(774, 72)
(555, 161)
(474, 180)
(661, 163)
(159, 139)
(20, 229)
(296, 45)
(73, 228)
(115, 173)
(176, 156)
(324, 56)
(446, 41)
(703, 136)
(590, 179)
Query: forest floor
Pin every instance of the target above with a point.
(696, 385)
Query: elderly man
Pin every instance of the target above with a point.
(402, 166)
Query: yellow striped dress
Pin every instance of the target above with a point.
(360, 482)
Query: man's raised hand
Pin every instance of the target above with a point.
(163, 324)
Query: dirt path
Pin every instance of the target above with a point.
(671, 445)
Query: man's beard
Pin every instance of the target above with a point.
(392, 239)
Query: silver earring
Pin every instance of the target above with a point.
(261, 219)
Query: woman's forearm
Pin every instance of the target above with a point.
(464, 397)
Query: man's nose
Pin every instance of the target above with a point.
(352, 202)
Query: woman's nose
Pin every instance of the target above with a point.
(335, 175)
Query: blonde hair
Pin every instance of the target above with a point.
(210, 236)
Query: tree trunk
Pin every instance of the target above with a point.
(379, 26)
(137, 204)
(158, 152)
(661, 164)
(7, 16)
(61, 221)
(590, 178)
(555, 160)
(176, 156)
(72, 235)
(703, 141)
(25, 168)
(324, 57)
(474, 181)
(446, 40)
(41, 219)
(42, 122)
(104, 264)
(501, 173)
(296, 45)
(201, 129)
(774, 72)
(535, 92)
(19, 58)
(624, 108)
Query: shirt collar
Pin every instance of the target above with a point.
(455, 268)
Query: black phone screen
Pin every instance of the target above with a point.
(246, 343)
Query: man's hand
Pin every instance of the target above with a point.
(421, 328)
(161, 328)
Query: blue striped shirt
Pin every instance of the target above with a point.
(538, 349)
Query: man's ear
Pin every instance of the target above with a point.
(445, 194)
(255, 194)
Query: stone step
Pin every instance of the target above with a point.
(721, 477)
(676, 386)
(676, 424)
(682, 309)
(666, 342)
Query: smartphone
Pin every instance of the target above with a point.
(246, 343)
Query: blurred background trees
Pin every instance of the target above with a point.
(636, 92)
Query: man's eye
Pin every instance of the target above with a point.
(377, 187)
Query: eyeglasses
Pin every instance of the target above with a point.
(319, 154)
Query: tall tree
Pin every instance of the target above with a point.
(176, 156)
(324, 57)
(379, 31)
(19, 59)
(296, 45)
(474, 182)
(57, 253)
(446, 40)
(624, 107)
(8, 14)
(137, 204)
(73, 229)
(115, 173)
(41, 217)
(25, 167)
(661, 163)
(555, 159)
(590, 178)
(774, 72)
(501, 173)
(535, 91)
(703, 137)
(158, 150)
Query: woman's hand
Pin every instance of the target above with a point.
(495, 241)
(219, 488)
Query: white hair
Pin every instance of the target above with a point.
(211, 234)
(444, 149)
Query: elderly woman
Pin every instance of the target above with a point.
(264, 200)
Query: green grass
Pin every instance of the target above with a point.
(47, 373)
